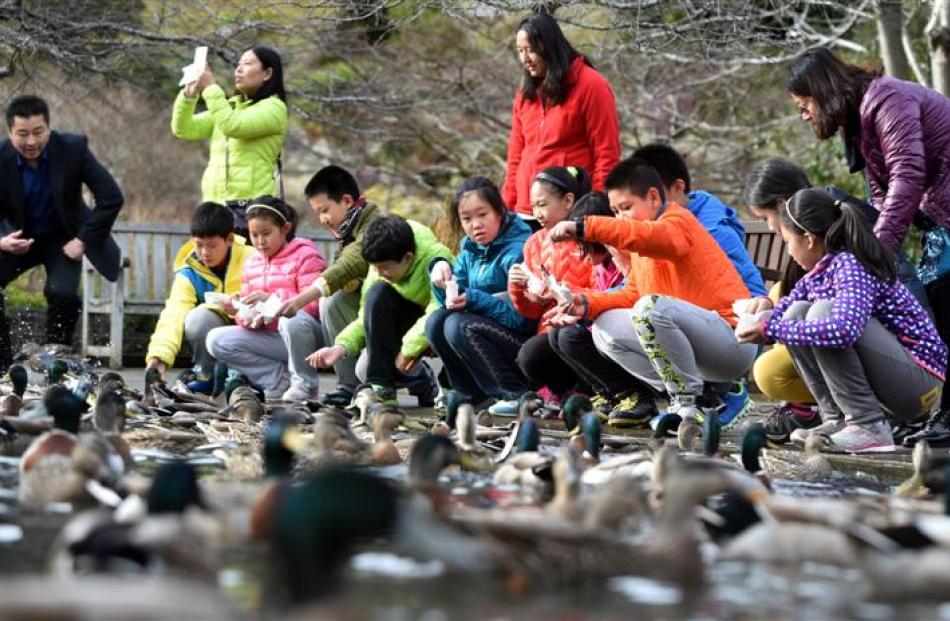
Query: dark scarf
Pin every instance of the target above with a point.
(344, 232)
(851, 136)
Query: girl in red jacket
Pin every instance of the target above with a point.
(553, 194)
(564, 113)
(261, 346)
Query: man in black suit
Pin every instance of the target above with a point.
(44, 220)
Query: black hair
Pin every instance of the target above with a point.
(387, 238)
(637, 176)
(333, 181)
(270, 59)
(485, 189)
(591, 204)
(26, 106)
(842, 226)
(286, 212)
(564, 180)
(836, 86)
(770, 184)
(212, 220)
(547, 40)
(774, 181)
(667, 161)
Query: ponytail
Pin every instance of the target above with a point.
(843, 227)
(852, 232)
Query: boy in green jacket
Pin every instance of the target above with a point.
(335, 199)
(396, 301)
(211, 261)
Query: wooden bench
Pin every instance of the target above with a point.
(148, 252)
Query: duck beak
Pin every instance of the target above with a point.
(295, 441)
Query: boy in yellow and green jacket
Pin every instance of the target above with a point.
(212, 261)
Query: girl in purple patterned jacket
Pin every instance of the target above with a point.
(866, 348)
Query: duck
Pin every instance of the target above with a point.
(281, 442)
(527, 467)
(323, 520)
(334, 440)
(109, 420)
(529, 404)
(168, 531)
(153, 378)
(573, 410)
(245, 404)
(476, 456)
(928, 469)
(384, 421)
(815, 467)
(57, 371)
(567, 469)
(587, 438)
(12, 403)
(63, 465)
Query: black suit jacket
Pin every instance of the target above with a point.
(71, 164)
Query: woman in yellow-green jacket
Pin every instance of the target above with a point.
(247, 130)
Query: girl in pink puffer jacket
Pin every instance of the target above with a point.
(272, 352)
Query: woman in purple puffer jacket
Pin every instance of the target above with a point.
(898, 133)
(862, 342)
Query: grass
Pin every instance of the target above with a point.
(25, 292)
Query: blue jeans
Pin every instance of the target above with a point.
(478, 355)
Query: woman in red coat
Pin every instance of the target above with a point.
(564, 114)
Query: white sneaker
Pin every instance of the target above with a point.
(277, 392)
(297, 393)
(827, 428)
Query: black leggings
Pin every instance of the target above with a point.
(543, 367)
(575, 346)
(939, 294)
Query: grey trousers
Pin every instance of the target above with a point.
(874, 380)
(265, 357)
(302, 335)
(672, 345)
(198, 322)
(336, 312)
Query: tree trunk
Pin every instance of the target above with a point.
(938, 31)
(890, 28)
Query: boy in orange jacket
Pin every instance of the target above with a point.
(672, 324)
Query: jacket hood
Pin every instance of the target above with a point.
(710, 211)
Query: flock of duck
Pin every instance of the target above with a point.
(522, 501)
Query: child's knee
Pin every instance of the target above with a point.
(378, 296)
(200, 321)
(647, 304)
(820, 310)
(797, 311)
(436, 325)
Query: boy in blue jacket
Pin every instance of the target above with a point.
(721, 221)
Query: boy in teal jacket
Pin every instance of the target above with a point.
(396, 300)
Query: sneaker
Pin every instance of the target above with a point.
(277, 392)
(204, 387)
(780, 425)
(827, 428)
(632, 411)
(504, 407)
(936, 432)
(602, 403)
(340, 398)
(386, 395)
(732, 406)
(439, 405)
(297, 393)
(685, 407)
(866, 438)
(425, 388)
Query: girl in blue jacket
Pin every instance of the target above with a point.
(478, 333)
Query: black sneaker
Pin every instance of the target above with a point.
(634, 410)
(340, 398)
(426, 388)
(905, 429)
(936, 432)
(789, 417)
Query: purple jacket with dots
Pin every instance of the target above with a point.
(858, 296)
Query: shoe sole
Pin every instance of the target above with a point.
(628, 422)
(872, 449)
